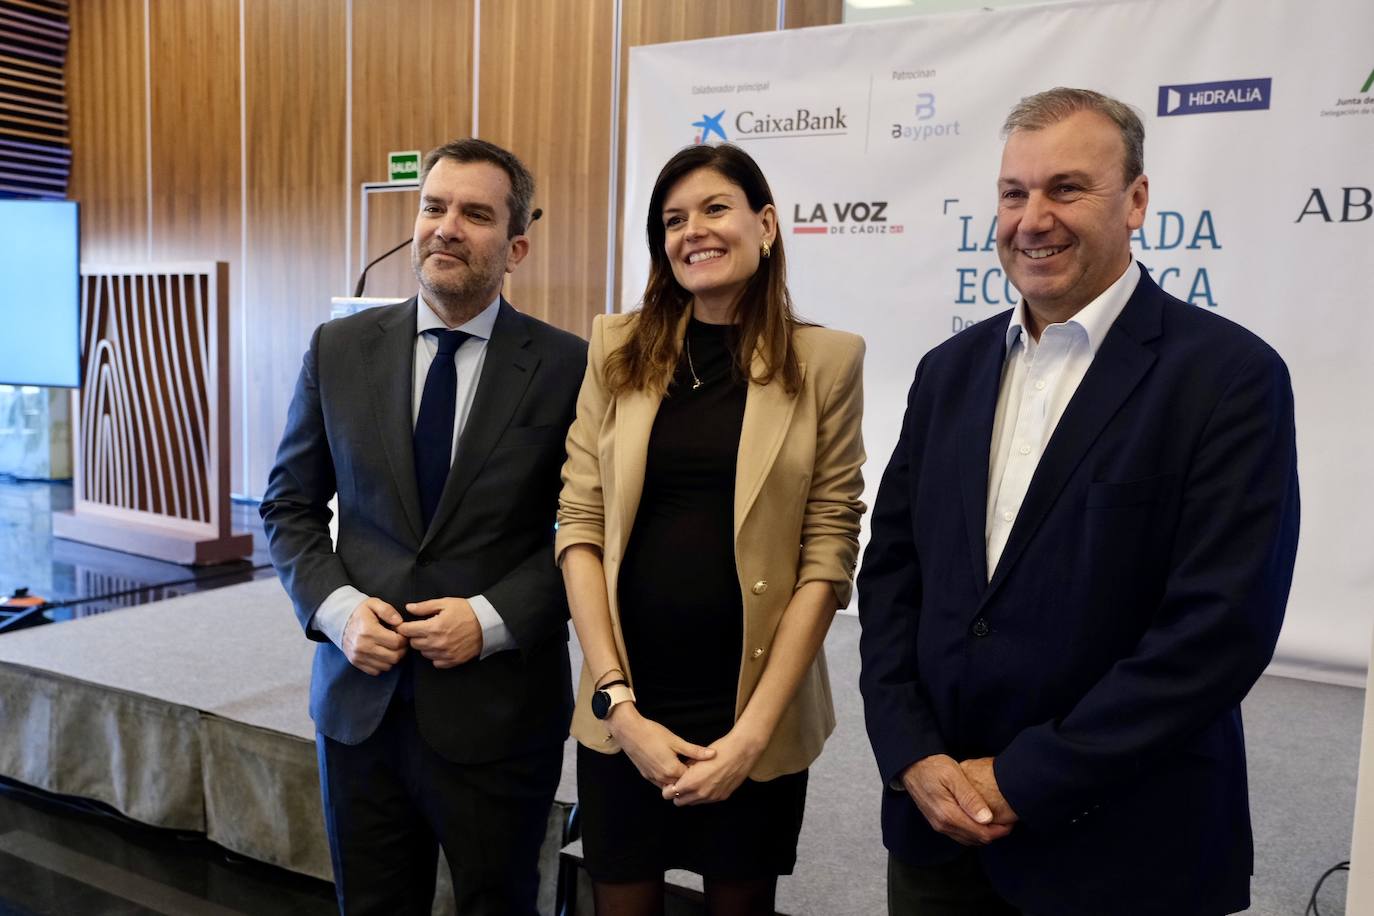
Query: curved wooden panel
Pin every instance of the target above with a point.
(151, 469)
(146, 441)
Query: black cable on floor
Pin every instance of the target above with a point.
(1312, 903)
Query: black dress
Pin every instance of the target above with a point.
(682, 617)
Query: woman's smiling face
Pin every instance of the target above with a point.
(712, 237)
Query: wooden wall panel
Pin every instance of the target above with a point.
(196, 189)
(296, 181)
(800, 14)
(105, 70)
(544, 87)
(194, 121)
(412, 89)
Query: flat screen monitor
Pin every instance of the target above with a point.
(40, 294)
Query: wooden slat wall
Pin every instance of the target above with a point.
(545, 94)
(196, 211)
(105, 72)
(412, 89)
(35, 148)
(296, 190)
(257, 121)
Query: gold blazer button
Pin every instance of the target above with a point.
(760, 587)
(756, 653)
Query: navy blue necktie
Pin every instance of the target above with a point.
(434, 425)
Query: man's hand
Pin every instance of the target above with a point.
(980, 773)
(449, 635)
(950, 803)
(370, 642)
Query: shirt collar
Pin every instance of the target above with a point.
(1095, 319)
(479, 325)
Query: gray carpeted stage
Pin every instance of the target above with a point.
(191, 713)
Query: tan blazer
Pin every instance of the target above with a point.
(797, 482)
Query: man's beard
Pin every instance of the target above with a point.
(471, 282)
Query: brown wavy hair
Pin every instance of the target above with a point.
(763, 311)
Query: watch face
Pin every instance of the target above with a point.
(601, 704)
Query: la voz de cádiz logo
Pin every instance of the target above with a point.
(1207, 98)
(852, 217)
(751, 125)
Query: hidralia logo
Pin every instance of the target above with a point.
(1205, 98)
(709, 124)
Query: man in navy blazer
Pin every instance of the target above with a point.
(441, 690)
(1081, 552)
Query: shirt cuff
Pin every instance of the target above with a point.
(331, 617)
(495, 634)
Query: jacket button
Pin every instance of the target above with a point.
(756, 653)
(760, 587)
(423, 560)
(981, 628)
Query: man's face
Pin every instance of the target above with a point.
(1064, 213)
(461, 251)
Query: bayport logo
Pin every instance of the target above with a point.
(1208, 98)
(709, 124)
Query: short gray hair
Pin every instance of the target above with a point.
(1035, 112)
(470, 149)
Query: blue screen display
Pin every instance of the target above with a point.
(40, 299)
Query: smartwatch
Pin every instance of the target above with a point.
(608, 696)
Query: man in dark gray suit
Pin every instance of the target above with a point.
(441, 691)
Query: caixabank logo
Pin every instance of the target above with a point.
(849, 217)
(1208, 98)
(754, 125)
(708, 125)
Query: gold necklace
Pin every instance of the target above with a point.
(696, 382)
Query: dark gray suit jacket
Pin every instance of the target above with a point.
(349, 431)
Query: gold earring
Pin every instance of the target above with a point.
(765, 251)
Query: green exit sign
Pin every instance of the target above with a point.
(403, 166)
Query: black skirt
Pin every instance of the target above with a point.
(629, 833)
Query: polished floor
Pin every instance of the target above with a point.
(78, 579)
(64, 856)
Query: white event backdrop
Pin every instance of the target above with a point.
(882, 142)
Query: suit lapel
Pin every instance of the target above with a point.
(389, 361)
(975, 445)
(1116, 370)
(507, 369)
(768, 412)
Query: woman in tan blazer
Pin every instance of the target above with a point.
(708, 531)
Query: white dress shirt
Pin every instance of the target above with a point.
(331, 617)
(1039, 379)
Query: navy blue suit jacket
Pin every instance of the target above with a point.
(349, 432)
(1138, 598)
